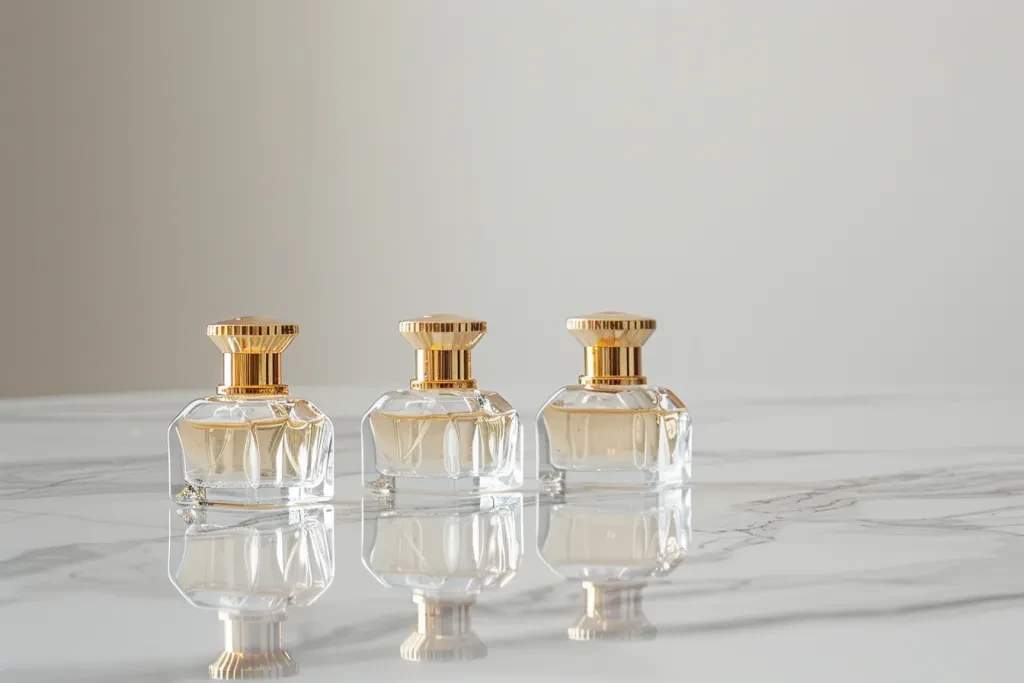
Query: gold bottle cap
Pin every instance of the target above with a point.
(443, 343)
(612, 342)
(252, 348)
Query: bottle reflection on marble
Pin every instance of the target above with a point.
(445, 557)
(251, 568)
(613, 544)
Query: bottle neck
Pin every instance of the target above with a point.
(611, 602)
(443, 618)
(443, 369)
(252, 374)
(612, 366)
(253, 634)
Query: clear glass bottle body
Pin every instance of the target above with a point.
(267, 450)
(626, 436)
(442, 441)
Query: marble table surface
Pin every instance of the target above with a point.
(843, 537)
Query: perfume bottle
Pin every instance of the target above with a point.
(613, 429)
(252, 570)
(251, 444)
(613, 545)
(442, 435)
(446, 556)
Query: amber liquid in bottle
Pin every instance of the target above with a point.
(426, 445)
(278, 450)
(611, 439)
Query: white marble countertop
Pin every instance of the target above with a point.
(847, 537)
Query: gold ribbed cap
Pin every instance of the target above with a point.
(611, 329)
(443, 343)
(612, 342)
(442, 331)
(252, 348)
(252, 334)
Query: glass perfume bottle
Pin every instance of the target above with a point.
(613, 429)
(446, 556)
(251, 444)
(251, 570)
(614, 545)
(443, 434)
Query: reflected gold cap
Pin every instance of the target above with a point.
(612, 342)
(253, 649)
(613, 612)
(443, 343)
(252, 348)
(240, 666)
(443, 632)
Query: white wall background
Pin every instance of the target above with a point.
(805, 193)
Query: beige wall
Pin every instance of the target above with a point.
(805, 193)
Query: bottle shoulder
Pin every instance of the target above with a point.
(237, 409)
(645, 397)
(419, 402)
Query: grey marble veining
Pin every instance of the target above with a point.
(841, 537)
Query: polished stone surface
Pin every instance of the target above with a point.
(846, 537)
